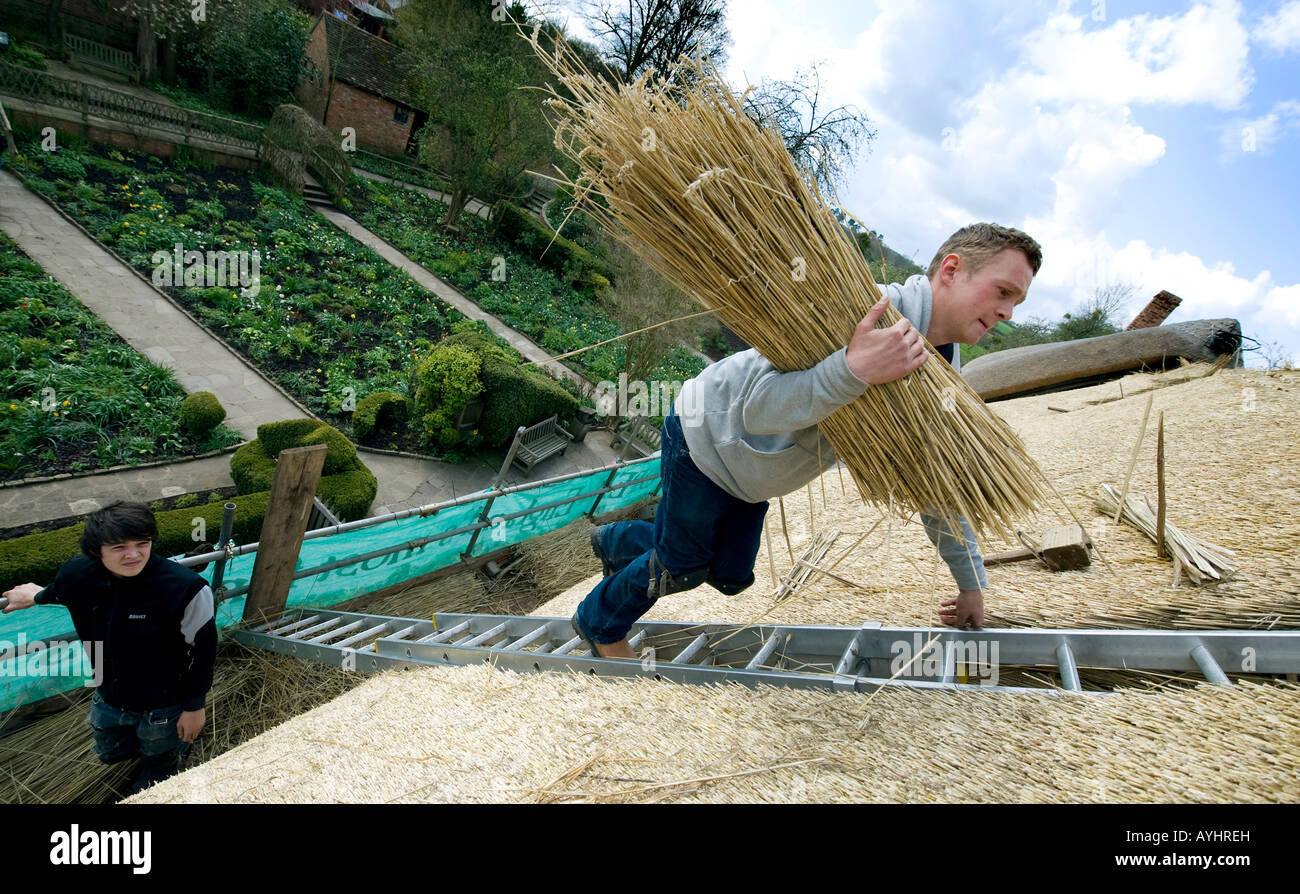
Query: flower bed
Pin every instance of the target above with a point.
(75, 396)
(329, 320)
(525, 295)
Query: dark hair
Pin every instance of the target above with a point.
(978, 243)
(118, 523)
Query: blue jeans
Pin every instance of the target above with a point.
(150, 735)
(700, 533)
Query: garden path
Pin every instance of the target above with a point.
(156, 328)
(473, 206)
(443, 290)
(144, 318)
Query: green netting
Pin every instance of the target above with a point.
(548, 507)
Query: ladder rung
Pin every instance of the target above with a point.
(281, 626)
(315, 628)
(446, 634)
(484, 637)
(635, 642)
(402, 634)
(567, 647)
(330, 634)
(766, 652)
(363, 635)
(527, 639)
(685, 656)
(1205, 661)
(1069, 670)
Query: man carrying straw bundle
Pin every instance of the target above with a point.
(154, 622)
(742, 433)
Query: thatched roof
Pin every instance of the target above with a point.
(474, 733)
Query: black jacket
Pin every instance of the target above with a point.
(158, 630)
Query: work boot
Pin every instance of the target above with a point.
(605, 568)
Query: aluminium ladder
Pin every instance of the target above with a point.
(860, 659)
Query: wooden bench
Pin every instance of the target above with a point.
(537, 442)
(640, 435)
(106, 59)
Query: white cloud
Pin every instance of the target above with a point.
(1280, 32)
(1198, 57)
(1243, 136)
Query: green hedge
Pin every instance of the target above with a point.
(518, 395)
(513, 395)
(346, 485)
(378, 411)
(36, 557)
(571, 261)
(277, 436)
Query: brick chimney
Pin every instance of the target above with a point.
(1156, 311)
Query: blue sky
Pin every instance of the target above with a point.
(1154, 143)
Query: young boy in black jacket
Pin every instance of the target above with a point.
(155, 620)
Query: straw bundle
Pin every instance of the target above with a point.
(1200, 559)
(715, 204)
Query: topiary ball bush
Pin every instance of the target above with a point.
(201, 412)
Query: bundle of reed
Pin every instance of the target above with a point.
(1200, 559)
(712, 201)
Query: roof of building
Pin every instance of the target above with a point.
(371, 63)
(481, 734)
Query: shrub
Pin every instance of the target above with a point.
(252, 468)
(64, 166)
(377, 411)
(349, 494)
(27, 57)
(445, 381)
(579, 267)
(515, 396)
(276, 436)
(201, 412)
(340, 453)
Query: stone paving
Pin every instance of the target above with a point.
(158, 329)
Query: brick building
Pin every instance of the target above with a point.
(369, 90)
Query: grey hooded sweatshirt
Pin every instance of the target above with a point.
(753, 430)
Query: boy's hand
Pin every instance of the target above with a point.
(190, 723)
(21, 596)
(877, 356)
(967, 610)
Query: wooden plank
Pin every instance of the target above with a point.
(1160, 488)
(297, 473)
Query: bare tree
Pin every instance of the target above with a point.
(639, 34)
(822, 141)
(642, 298)
(1276, 356)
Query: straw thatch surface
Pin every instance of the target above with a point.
(478, 734)
(52, 761)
